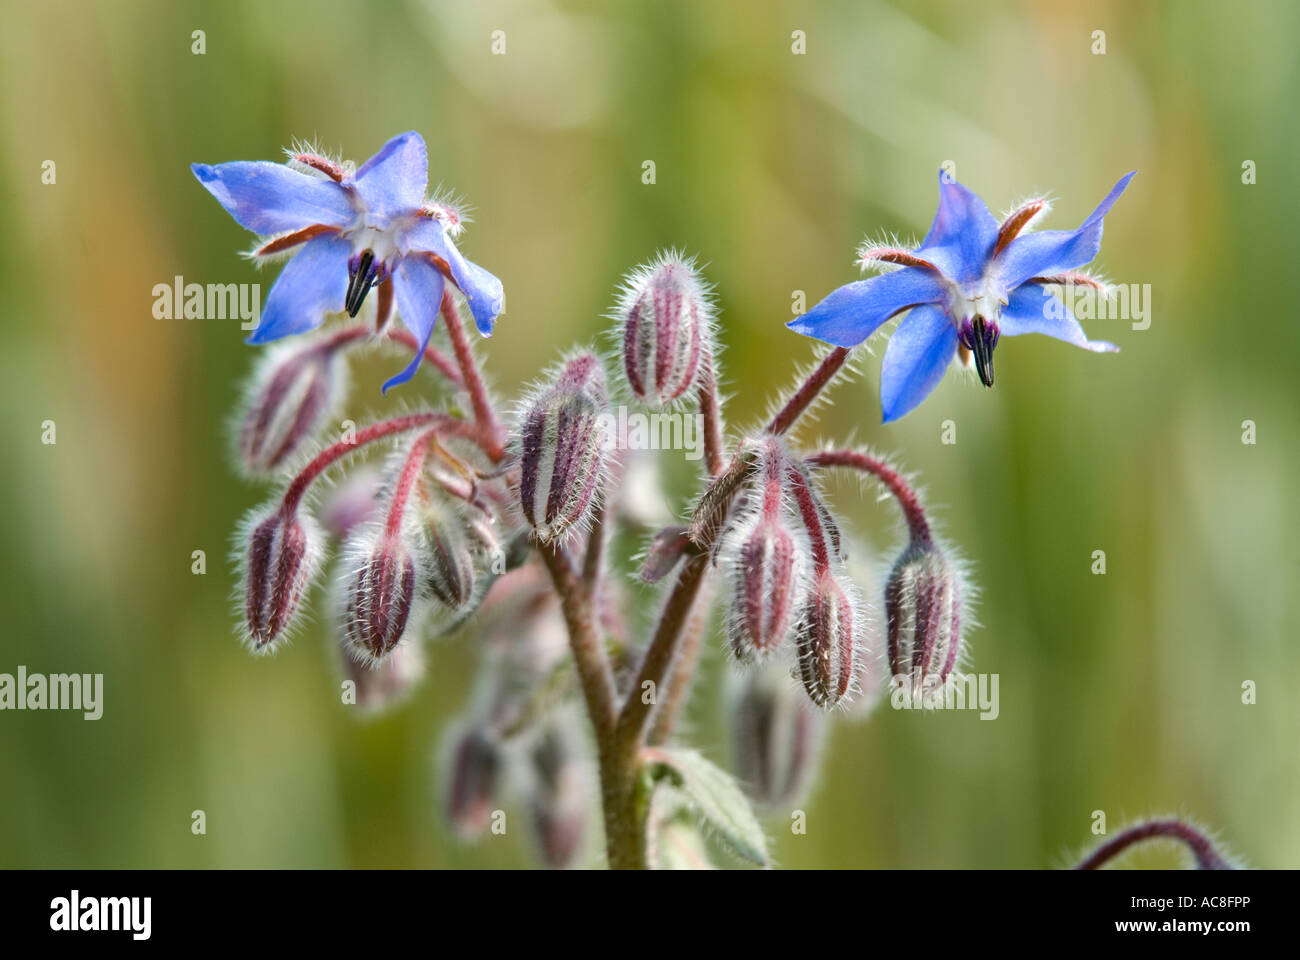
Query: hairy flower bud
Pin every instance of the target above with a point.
(923, 614)
(558, 795)
(381, 593)
(766, 558)
(464, 552)
(280, 557)
(665, 314)
(828, 639)
(291, 395)
(472, 769)
(777, 736)
(562, 455)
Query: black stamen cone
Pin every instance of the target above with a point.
(359, 283)
(982, 347)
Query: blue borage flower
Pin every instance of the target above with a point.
(970, 282)
(351, 231)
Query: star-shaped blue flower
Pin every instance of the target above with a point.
(351, 231)
(970, 282)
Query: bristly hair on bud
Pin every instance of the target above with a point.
(562, 438)
(766, 558)
(664, 316)
(387, 684)
(830, 638)
(926, 609)
(279, 553)
(292, 392)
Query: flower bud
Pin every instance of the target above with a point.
(385, 684)
(281, 556)
(923, 613)
(665, 315)
(472, 771)
(558, 792)
(380, 596)
(766, 558)
(828, 639)
(777, 735)
(292, 394)
(562, 452)
(463, 552)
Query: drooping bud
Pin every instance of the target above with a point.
(472, 768)
(665, 315)
(280, 557)
(291, 395)
(923, 615)
(563, 448)
(351, 503)
(828, 639)
(463, 552)
(381, 593)
(386, 683)
(778, 736)
(558, 794)
(766, 559)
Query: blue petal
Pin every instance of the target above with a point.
(312, 284)
(854, 311)
(417, 286)
(272, 198)
(483, 291)
(1033, 308)
(915, 360)
(962, 235)
(394, 180)
(1046, 252)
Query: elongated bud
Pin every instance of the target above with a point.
(380, 596)
(463, 549)
(665, 314)
(384, 685)
(558, 793)
(766, 560)
(829, 636)
(923, 615)
(777, 737)
(563, 448)
(472, 770)
(292, 393)
(280, 557)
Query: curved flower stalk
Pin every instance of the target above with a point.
(504, 528)
(1205, 853)
(971, 281)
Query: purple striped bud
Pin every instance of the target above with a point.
(829, 638)
(379, 598)
(666, 316)
(923, 614)
(463, 551)
(281, 556)
(766, 558)
(291, 395)
(778, 736)
(558, 795)
(472, 770)
(563, 449)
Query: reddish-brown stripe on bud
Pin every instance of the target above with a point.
(292, 394)
(923, 600)
(280, 558)
(778, 735)
(380, 599)
(664, 313)
(828, 639)
(472, 772)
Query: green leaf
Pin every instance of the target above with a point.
(711, 795)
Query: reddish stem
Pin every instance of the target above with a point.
(494, 435)
(1207, 858)
(808, 391)
(711, 411)
(907, 498)
(376, 431)
(350, 335)
(411, 468)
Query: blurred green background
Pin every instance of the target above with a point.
(1119, 693)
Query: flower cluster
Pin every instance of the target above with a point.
(451, 518)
